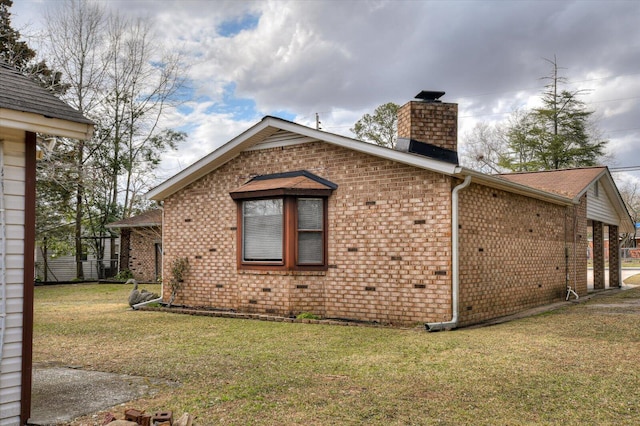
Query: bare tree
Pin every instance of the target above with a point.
(76, 33)
(142, 83)
(121, 79)
(630, 193)
(483, 148)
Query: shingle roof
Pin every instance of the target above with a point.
(19, 93)
(150, 218)
(298, 182)
(568, 183)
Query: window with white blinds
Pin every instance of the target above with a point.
(310, 224)
(263, 223)
(286, 233)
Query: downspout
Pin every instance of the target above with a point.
(159, 299)
(141, 304)
(455, 270)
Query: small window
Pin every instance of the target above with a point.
(310, 231)
(596, 189)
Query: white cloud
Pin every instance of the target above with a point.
(344, 58)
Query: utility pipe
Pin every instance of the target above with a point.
(138, 305)
(455, 260)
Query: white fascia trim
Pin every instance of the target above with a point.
(611, 189)
(39, 124)
(369, 148)
(584, 191)
(244, 141)
(141, 225)
(206, 164)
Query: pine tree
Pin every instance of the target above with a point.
(18, 54)
(556, 135)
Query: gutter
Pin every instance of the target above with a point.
(518, 188)
(455, 275)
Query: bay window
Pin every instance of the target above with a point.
(282, 222)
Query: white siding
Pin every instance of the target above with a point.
(281, 138)
(11, 362)
(63, 268)
(600, 207)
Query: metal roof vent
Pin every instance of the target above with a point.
(430, 96)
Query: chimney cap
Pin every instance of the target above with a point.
(429, 96)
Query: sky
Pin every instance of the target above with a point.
(341, 59)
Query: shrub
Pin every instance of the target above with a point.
(123, 275)
(179, 268)
(307, 315)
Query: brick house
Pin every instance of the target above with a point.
(141, 245)
(285, 219)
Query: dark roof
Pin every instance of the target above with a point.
(146, 219)
(568, 182)
(300, 182)
(20, 93)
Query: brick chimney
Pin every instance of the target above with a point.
(429, 127)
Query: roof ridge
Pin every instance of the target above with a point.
(552, 171)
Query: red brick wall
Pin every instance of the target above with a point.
(512, 253)
(142, 253)
(125, 249)
(389, 243)
(577, 243)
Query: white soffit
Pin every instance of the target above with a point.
(39, 124)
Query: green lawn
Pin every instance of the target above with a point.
(574, 366)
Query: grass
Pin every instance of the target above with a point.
(574, 366)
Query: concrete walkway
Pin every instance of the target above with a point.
(61, 394)
(626, 273)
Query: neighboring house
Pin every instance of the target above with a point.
(285, 219)
(141, 245)
(25, 109)
(53, 268)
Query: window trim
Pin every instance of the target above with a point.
(289, 236)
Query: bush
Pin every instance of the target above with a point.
(123, 275)
(179, 268)
(308, 315)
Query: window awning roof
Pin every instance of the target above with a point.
(291, 183)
